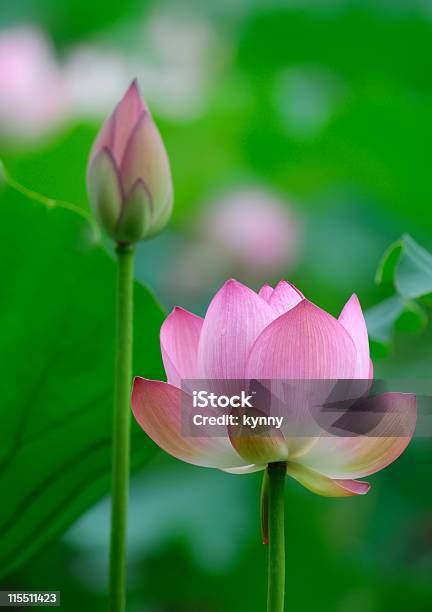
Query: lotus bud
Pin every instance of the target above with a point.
(128, 177)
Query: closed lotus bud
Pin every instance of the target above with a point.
(128, 177)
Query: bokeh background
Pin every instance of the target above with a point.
(300, 141)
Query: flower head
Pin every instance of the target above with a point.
(128, 177)
(275, 334)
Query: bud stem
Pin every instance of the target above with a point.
(121, 429)
(276, 553)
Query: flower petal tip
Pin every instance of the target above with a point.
(323, 485)
(133, 92)
(355, 487)
(231, 283)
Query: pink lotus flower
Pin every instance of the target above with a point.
(128, 178)
(275, 334)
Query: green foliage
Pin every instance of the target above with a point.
(410, 266)
(56, 167)
(57, 354)
(381, 317)
(407, 268)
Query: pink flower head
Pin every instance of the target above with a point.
(274, 334)
(129, 178)
(33, 101)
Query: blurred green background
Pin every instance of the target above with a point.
(308, 122)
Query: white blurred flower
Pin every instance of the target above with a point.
(93, 77)
(172, 53)
(168, 53)
(178, 60)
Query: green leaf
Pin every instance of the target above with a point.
(414, 272)
(388, 264)
(380, 319)
(408, 266)
(57, 296)
(394, 313)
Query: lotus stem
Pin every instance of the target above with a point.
(276, 553)
(121, 429)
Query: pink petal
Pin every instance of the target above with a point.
(322, 485)
(265, 292)
(145, 158)
(117, 128)
(180, 333)
(284, 297)
(157, 406)
(233, 321)
(353, 320)
(304, 343)
(358, 456)
(124, 119)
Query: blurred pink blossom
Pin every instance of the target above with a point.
(247, 231)
(255, 228)
(32, 100)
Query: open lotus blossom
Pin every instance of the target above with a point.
(129, 178)
(274, 334)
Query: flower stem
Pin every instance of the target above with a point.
(276, 554)
(121, 430)
(264, 507)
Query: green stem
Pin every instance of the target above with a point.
(264, 508)
(276, 554)
(121, 430)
